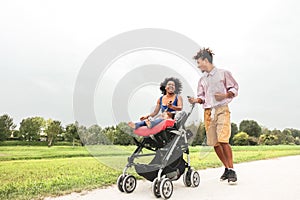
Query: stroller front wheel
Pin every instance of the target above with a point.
(129, 184)
(166, 188)
(155, 187)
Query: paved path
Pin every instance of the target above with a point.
(274, 179)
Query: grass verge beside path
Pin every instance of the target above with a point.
(41, 152)
(34, 172)
(33, 179)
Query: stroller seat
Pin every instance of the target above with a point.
(145, 131)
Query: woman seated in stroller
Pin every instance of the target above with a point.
(167, 142)
(169, 103)
(151, 123)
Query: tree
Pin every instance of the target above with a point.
(123, 134)
(199, 133)
(251, 127)
(295, 132)
(94, 132)
(285, 137)
(83, 134)
(71, 133)
(265, 131)
(6, 127)
(30, 128)
(53, 130)
(109, 132)
(234, 131)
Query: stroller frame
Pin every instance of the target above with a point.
(168, 142)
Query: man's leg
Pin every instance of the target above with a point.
(223, 130)
(224, 149)
(227, 152)
(222, 155)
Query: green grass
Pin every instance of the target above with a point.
(28, 172)
(36, 178)
(40, 152)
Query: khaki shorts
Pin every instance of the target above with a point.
(218, 128)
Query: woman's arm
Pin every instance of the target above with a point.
(154, 113)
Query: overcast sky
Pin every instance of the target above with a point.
(43, 45)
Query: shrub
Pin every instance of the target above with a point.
(253, 140)
(297, 141)
(267, 139)
(241, 139)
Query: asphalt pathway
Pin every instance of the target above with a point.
(274, 179)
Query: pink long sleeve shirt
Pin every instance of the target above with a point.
(216, 81)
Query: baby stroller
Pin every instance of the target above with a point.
(168, 140)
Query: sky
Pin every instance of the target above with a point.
(44, 45)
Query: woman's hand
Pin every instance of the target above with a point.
(170, 104)
(144, 117)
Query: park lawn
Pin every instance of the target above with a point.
(36, 172)
(33, 179)
(41, 152)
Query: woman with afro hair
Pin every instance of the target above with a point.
(170, 102)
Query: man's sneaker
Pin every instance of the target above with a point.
(231, 177)
(225, 175)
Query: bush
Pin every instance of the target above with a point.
(253, 140)
(267, 139)
(241, 139)
(297, 141)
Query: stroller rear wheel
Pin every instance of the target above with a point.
(129, 184)
(191, 178)
(187, 178)
(166, 188)
(195, 178)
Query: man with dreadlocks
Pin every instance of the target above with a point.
(168, 104)
(216, 89)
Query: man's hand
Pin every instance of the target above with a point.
(220, 96)
(193, 100)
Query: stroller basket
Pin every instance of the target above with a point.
(150, 171)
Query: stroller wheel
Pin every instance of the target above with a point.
(155, 188)
(166, 188)
(129, 184)
(195, 178)
(120, 182)
(187, 178)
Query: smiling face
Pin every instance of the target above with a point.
(204, 59)
(204, 65)
(170, 87)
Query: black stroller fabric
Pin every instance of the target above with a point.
(149, 172)
(175, 163)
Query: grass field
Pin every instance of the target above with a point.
(35, 172)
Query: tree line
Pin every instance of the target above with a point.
(249, 132)
(38, 129)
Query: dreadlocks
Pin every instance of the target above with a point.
(205, 53)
